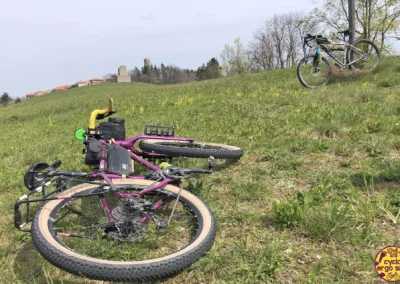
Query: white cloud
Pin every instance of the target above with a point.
(203, 15)
(146, 16)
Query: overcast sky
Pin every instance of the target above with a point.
(46, 44)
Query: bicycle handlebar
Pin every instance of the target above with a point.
(307, 39)
(96, 112)
(196, 171)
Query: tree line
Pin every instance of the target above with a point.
(162, 75)
(171, 74)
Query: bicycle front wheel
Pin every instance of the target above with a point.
(75, 234)
(365, 55)
(174, 148)
(312, 76)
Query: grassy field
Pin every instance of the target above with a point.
(313, 200)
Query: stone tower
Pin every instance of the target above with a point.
(147, 62)
(123, 76)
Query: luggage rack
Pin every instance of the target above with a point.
(159, 130)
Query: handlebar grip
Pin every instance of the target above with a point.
(93, 115)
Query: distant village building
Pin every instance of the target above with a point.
(147, 62)
(96, 81)
(39, 93)
(61, 88)
(123, 76)
(82, 83)
(112, 79)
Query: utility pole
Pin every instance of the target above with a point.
(352, 20)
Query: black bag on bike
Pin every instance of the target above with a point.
(93, 153)
(113, 129)
(320, 39)
(119, 160)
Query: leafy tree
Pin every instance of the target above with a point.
(210, 71)
(213, 69)
(4, 99)
(18, 100)
(201, 73)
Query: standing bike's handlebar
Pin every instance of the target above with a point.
(307, 39)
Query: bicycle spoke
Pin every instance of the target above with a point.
(364, 56)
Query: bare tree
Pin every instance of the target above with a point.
(277, 44)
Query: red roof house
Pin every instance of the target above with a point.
(82, 83)
(61, 88)
(96, 81)
(38, 93)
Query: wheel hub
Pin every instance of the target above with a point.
(315, 71)
(129, 214)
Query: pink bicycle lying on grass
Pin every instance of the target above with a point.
(110, 225)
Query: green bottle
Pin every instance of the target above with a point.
(319, 55)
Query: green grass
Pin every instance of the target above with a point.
(313, 200)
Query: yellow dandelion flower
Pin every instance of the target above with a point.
(390, 97)
(141, 110)
(50, 122)
(298, 110)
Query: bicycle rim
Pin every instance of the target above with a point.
(80, 225)
(313, 76)
(366, 56)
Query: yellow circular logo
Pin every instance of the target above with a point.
(387, 264)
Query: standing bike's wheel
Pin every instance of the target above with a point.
(366, 55)
(75, 235)
(311, 76)
(174, 148)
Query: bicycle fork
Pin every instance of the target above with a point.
(317, 57)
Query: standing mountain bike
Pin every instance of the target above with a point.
(314, 69)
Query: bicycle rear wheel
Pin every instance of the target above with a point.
(312, 76)
(75, 235)
(365, 54)
(195, 149)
